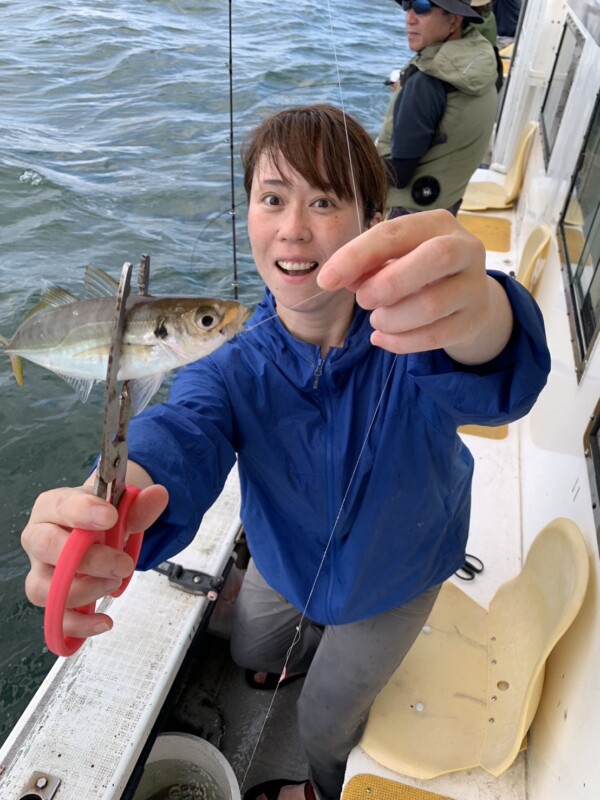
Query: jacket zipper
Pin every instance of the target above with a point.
(331, 503)
(318, 373)
(330, 461)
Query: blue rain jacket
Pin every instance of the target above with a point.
(355, 456)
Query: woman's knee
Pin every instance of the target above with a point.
(246, 642)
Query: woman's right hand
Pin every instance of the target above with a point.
(103, 568)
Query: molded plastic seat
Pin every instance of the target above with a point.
(469, 688)
(535, 250)
(506, 55)
(534, 255)
(487, 431)
(481, 195)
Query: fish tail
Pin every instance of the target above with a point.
(16, 363)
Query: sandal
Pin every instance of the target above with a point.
(272, 788)
(272, 680)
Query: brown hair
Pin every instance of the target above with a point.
(330, 149)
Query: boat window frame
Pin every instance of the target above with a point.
(516, 40)
(591, 450)
(550, 131)
(582, 345)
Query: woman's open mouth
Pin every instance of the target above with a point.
(297, 268)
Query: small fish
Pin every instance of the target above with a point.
(71, 337)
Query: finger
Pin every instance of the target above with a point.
(102, 561)
(444, 333)
(431, 303)
(430, 263)
(146, 508)
(392, 239)
(83, 626)
(83, 590)
(45, 541)
(73, 508)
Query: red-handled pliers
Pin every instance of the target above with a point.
(109, 484)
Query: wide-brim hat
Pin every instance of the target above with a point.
(460, 7)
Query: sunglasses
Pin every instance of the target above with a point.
(418, 6)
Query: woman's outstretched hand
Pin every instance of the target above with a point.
(423, 276)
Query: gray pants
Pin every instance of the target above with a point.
(346, 665)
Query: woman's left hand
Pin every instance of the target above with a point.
(424, 277)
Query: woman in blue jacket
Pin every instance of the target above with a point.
(340, 401)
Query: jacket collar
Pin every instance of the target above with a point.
(274, 335)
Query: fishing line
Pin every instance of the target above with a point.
(213, 218)
(276, 314)
(298, 630)
(339, 81)
(231, 157)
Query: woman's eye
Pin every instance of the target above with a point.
(323, 202)
(271, 200)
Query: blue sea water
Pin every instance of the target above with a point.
(114, 142)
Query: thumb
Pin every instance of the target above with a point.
(147, 508)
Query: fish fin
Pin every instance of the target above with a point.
(55, 296)
(16, 363)
(83, 386)
(142, 390)
(99, 283)
(17, 368)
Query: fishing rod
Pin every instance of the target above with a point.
(231, 157)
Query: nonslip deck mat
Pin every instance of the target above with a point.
(371, 787)
(494, 232)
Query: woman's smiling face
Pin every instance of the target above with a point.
(294, 228)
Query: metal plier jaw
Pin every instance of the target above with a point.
(109, 483)
(112, 467)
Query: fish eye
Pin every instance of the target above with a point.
(206, 318)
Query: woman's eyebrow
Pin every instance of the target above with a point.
(272, 181)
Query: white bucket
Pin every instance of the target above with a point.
(183, 760)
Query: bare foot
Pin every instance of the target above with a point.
(261, 677)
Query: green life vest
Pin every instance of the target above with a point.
(463, 135)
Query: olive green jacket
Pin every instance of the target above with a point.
(463, 135)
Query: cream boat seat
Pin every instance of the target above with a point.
(534, 256)
(530, 266)
(468, 690)
(483, 195)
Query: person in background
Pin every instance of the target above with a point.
(439, 121)
(393, 80)
(507, 18)
(389, 335)
(488, 29)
